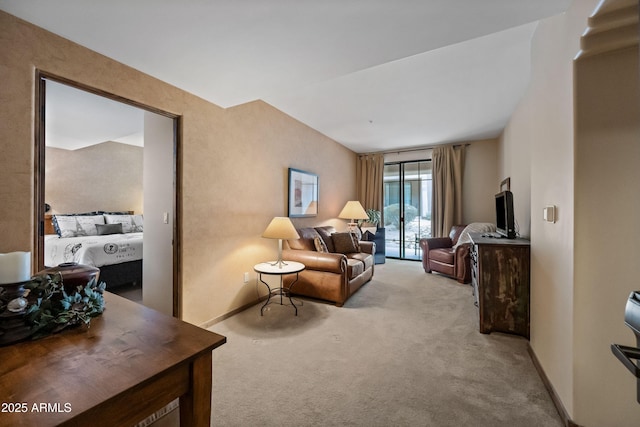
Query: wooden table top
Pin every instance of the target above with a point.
(79, 369)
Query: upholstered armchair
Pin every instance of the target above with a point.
(443, 255)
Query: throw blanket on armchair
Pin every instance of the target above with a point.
(475, 227)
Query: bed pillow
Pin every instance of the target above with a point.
(55, 223)
(77, 225)
(138, 222)
(130, 223)
(104, 229)
(115, 213)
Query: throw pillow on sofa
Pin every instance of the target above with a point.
(345, 243)
(320, 245)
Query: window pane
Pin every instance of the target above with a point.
(406, 223)
(417, 225)
(391, 210)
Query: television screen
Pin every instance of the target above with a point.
(505, 223)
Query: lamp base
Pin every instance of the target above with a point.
(279, 263)
(13, 327)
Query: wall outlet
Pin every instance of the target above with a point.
(246, 277)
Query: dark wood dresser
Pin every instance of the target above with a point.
(500, 280)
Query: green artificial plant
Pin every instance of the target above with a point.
(52, 309)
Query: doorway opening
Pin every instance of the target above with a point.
(118, 161)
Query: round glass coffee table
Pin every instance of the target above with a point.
(278, 269)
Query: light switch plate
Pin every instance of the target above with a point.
(549, 213)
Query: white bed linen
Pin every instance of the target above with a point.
(97, 251)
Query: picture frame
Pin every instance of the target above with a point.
(303, 194)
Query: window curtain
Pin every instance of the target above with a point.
(369, 173)
(448, 169)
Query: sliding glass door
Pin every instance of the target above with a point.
(407, 207)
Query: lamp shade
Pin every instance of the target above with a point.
(353, 210)
(280, 228)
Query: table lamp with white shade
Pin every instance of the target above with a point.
(15, 267)
(353, 210)
(280, 228)
(15, 272)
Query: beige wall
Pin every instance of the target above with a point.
(607, 227)
(514, 162)
(578, 283)
(537, 154)
(234, 165)
(481, 182)
(105, 176)
(241, 186)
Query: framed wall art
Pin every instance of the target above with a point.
(303, 193)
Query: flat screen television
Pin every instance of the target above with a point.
(505, 223)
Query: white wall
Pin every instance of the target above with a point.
(157, 274)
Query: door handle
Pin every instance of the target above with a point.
(625, 354)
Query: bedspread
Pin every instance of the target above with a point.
(97, 251)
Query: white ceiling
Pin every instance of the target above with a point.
(76, 119)
(372, 74)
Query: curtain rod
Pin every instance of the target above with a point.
(408, 150)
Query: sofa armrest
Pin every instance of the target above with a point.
(321, 261)
(367, 247)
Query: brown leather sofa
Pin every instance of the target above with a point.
(330, 275)
(441, 254)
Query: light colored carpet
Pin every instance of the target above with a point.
(404, 351)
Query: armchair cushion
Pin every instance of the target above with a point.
(444, 255)
(355, 266)
(364, 257)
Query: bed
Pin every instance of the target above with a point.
(110, 241)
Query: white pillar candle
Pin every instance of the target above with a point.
(15, 267)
